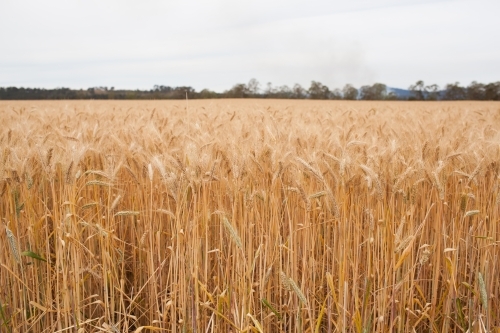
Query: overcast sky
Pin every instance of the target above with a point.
(217, 43)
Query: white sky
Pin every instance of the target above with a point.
(217, 43)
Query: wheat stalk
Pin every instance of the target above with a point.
(362, 260)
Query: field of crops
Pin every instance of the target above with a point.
(249, 216)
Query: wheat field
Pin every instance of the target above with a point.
(249, 216)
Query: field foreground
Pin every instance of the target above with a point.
(249, 216)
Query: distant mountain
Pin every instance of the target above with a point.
(400, 93)
(405, 94)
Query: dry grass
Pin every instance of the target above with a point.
(255, 216)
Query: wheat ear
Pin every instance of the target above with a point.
(13, 245)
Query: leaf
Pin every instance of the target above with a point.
(329, 280)
(357, 321)
(449, 265)
(258, 326)
(460, 314)
(404, 255)
(270, 307)
(38, 306)
(5, 322)
(481, 237)
(33, 255)
(320, 317)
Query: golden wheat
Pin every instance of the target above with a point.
(131, 216)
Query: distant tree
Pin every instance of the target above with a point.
(164, 89)
(253, 87)
(205, 93)
(418, 91)
(269, 91)
(284, 92)
(130, 94)
(350, 92)
(391, 96)
(454, 91)
(298, 91)
(318, 90)
(492, 91)
(237, 91)
(377, 91)
(180, 93)
(336, 94)
(365, 92)
(475, 91)
(432, 92)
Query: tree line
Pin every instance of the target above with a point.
(253, 89)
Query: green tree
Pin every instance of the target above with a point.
(454, 92)
(269, 92)
(391, 96)
(237, 91)
(253, 87)
(284, 92)
(377, 91)
(432, 92)
(205, 93)
(475, 91)
(492, 91)
(349, 92)
(418, 91)
(298, 91)
(336, 94)
(317, 90)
